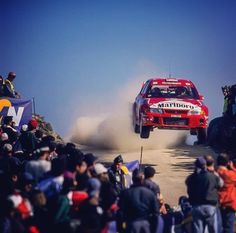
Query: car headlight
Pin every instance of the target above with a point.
(196, 112)
(156, 110)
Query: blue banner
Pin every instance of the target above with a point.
(19, 109)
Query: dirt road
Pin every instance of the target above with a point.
(172, 165)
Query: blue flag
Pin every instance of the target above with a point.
(19, 109)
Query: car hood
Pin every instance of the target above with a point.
(172, 103)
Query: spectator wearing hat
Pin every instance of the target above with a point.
(107, 192)
(90, 160)
(9, 89)
(39, 167)
(202, 189)
(116, 175)
(28, 139)
(139, 206)
(8, 128)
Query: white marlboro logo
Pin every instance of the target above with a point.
(175, 105)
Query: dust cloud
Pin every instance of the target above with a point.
(112, 129)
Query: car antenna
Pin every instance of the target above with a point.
(170, 70)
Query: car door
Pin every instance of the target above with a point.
(140, 99)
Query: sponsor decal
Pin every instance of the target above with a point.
(175, 105)
(19, 109)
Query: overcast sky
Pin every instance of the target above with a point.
(68, 53)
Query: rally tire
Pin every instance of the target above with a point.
(145, 131)
(136, 128)
(193, 131)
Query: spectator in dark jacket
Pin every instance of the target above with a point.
(116, 175)
(8, 127)
(139, 205)
(28, 140)
(202, 188)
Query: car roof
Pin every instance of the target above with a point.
(171, 81)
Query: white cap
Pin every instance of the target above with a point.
(99, 168)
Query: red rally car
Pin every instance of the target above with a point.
(169, 103)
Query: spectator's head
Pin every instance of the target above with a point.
(200, 163)
(225, 90)
(26, 182)
(48, 139)
(223, 160)
(7, 120)
(7, 149)
(118, 162)
(60, 150)
(69, 148)
(101, 172)
(90, 159)
(4, 137)
(32, 124)
(43, 152)
(75, 162)
(24, 128)
(210, 162)
(137, 177)
(11, 76)
(39, 134)
(149, 172)
(185, 205)
(58, 167)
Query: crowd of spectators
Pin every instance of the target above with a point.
(47, 186)
(54, 187)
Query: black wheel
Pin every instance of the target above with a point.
(145, 131)
(201, 136)
(193, 131)
(135, 126)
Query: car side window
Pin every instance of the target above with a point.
(145, 87)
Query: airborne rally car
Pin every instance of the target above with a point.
(170, 104)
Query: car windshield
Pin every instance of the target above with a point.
(180, 92)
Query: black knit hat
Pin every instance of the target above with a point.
(118, 159)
